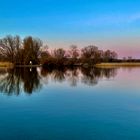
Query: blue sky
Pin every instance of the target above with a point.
(109, 24)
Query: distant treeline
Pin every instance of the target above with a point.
(31, 51)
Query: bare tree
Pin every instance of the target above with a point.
(110, 55)
(59, 53)
(73, 54)
(31, 49)
(90, 54)
(59, 56)
(9, 48)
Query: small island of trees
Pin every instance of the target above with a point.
(31, 51)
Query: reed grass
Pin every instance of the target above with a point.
(124, 64)
(6, 65)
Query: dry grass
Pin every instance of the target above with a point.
(6, 65)
(113, 65)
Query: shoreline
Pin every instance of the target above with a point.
(116, 65)
(100, 65)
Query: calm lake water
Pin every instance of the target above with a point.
(70, 104)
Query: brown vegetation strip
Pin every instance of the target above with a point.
(127, 64)
(6, 64)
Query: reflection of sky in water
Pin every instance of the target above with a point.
(109, 110)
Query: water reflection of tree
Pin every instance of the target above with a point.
(30, 80)
(73, 76)
(8, 84)
(58, 75)
(89, 76)
(18, 79)
(14, 81)
(108, 73)
(61, 74)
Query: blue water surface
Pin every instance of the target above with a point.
(104, 108)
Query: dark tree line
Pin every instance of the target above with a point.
(31, 51)
(88, 55)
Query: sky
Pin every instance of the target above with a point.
(108, 24)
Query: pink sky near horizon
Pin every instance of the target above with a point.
(123, 49)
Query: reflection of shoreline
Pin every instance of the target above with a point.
(88, 76)
(29, 80)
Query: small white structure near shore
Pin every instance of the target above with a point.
(31, 63)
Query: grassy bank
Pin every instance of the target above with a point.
(6, 65)
(124, 64)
